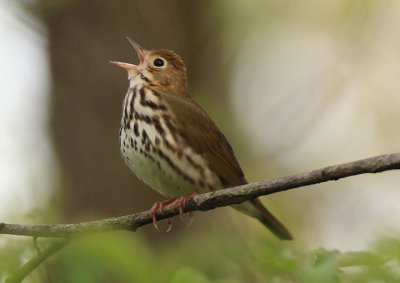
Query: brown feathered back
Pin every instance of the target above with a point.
(204, 137)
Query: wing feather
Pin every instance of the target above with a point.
(203, 136)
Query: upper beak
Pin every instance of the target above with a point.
(132, 67)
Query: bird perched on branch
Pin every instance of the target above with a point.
(170, 142)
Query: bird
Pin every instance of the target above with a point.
(170, 142)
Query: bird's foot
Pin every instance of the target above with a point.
(180, 202)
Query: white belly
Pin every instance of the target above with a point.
(158, 173)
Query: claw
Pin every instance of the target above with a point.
(153, 214)
(191, 215)
(169, 225)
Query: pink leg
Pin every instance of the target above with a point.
(191, 214)
(178, 202)
(159, 205)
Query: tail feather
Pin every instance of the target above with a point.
(271, 222)
(257, 210)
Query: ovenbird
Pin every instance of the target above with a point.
(170, 142)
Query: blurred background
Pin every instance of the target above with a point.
(294, 85)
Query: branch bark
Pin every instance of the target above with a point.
(210, 200)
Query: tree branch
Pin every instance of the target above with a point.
(210, 200)
(203, 202)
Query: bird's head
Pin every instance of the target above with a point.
(162, 70)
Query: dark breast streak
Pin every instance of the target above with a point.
(162, 122)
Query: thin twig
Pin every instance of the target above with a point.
(35, 244)
(35, 261)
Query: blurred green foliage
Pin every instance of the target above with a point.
(12, 254)
(125, 257)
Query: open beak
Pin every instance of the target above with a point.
(131, 67)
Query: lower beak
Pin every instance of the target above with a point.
(127, 66)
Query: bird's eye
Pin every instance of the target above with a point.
(158, 62)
